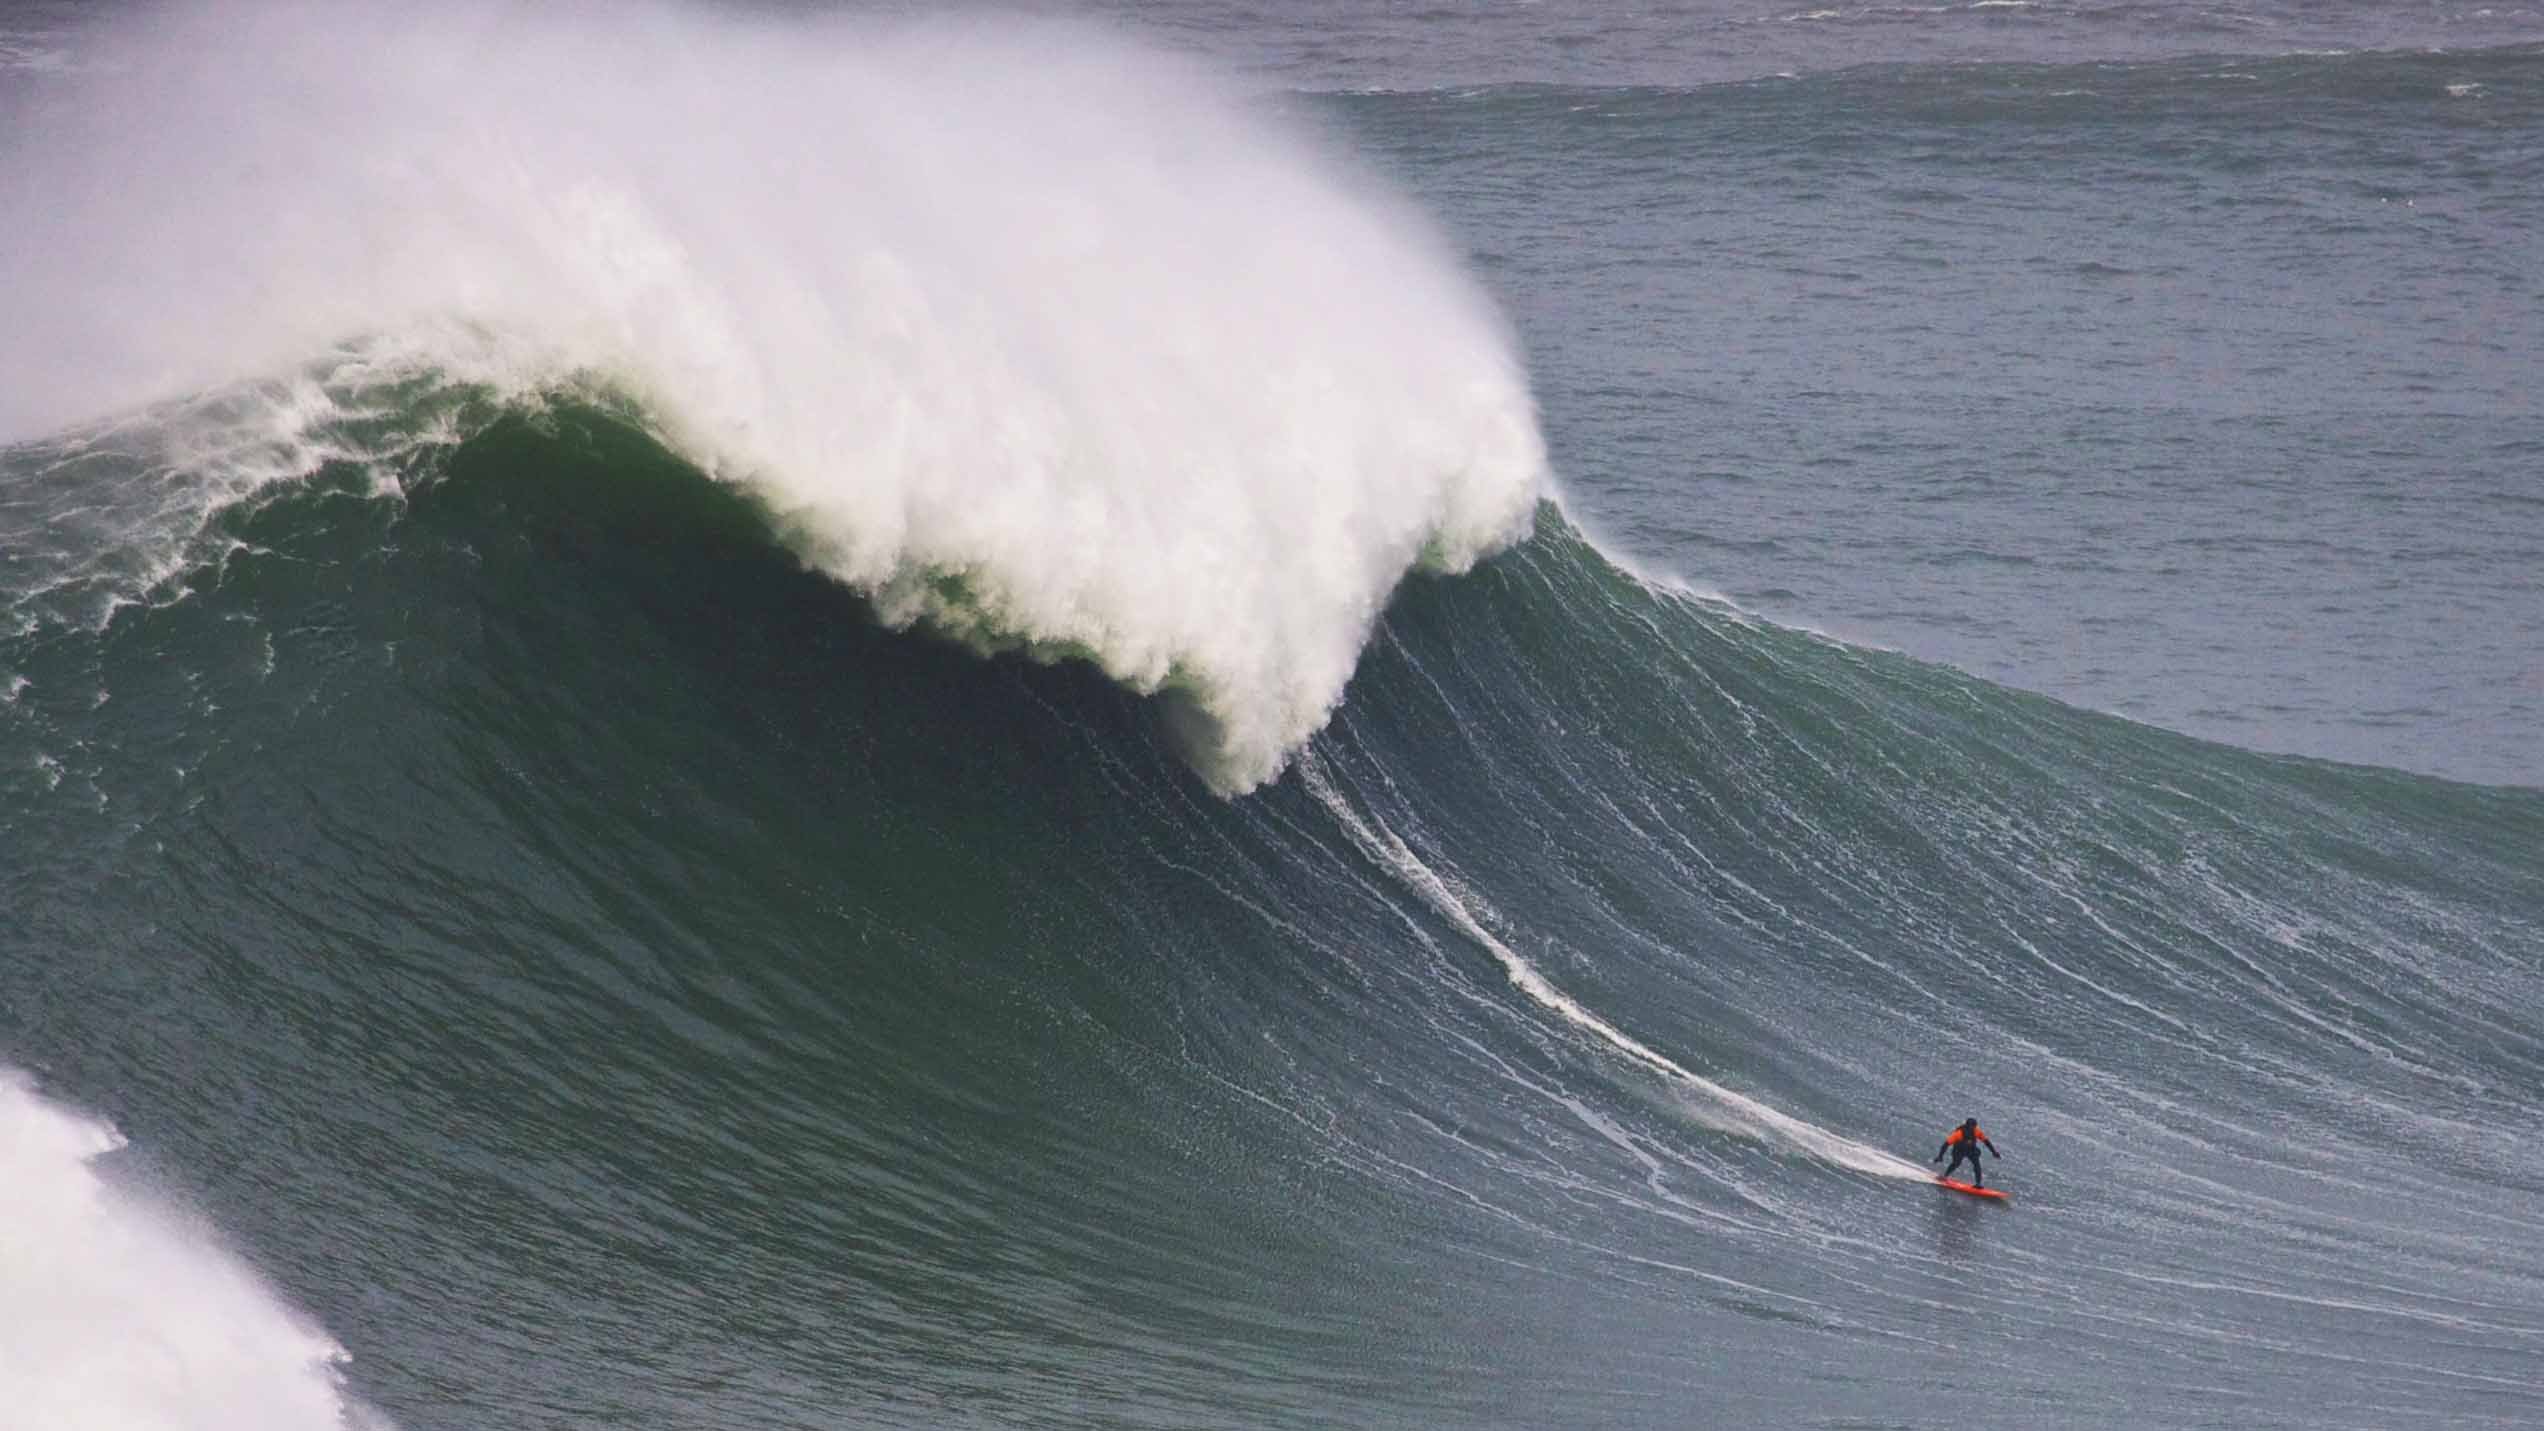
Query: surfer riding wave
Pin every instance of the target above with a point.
(1963, 1143)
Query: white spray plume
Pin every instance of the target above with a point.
(1024, 331)
(116, 1315)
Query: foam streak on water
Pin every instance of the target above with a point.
(1029, 335)
(1723, 1109)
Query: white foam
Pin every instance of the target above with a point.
(1025, 332)
(117, 1315)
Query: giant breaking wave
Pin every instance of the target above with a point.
(1030, 336)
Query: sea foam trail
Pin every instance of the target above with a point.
(1723, 1109)
(116, 1315)
(1024, 332)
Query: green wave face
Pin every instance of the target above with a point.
(606, 975)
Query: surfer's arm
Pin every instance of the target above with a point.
(1939, 1152)
(1991, 1147)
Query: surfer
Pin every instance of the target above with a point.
(1964, 1142)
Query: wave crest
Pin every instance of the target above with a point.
(1026, 333)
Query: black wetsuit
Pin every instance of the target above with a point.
(1963, 1144)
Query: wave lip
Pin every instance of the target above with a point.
(1030, 335)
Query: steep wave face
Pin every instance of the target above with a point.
(610, 980)
(1022, 333)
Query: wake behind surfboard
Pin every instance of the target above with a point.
(1961, 1187)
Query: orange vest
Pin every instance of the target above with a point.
(1957, 1134)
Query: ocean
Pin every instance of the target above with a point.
(1216, 715)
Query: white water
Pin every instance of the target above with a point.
(118, 1315)
(1151, 377)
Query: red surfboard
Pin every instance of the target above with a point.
(1974, 1192)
